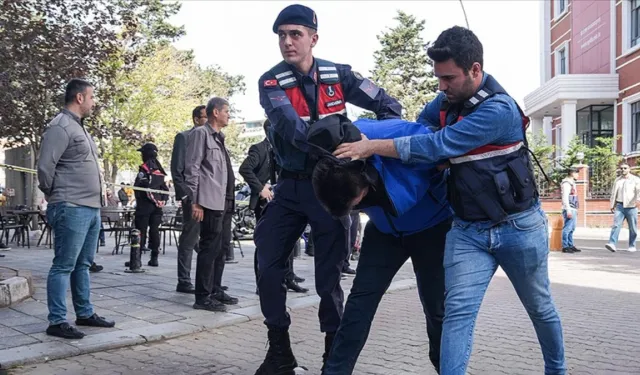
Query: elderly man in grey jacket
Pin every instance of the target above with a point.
(210, 186)
(69, 177)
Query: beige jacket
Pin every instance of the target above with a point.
(630, 194)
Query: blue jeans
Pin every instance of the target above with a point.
(619, 215)
(473, 252)
(569, 227)
(75, 239)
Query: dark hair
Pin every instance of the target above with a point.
(74, 87)
(215, 103)
(459, 44)
(337, 183)
(572, 170)
(196, 111)
(266, 126)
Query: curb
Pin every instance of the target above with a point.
(15, 289)
(48, 351)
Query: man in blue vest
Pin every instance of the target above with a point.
(498, 220)
(409, 218)
(296, 92)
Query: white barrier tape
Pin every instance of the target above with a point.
(16, 168)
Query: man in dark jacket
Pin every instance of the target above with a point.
(190, 228)
(257, 170)
(149, 205)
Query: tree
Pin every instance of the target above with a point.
(154, 101)
(402, 66)
(238, 147)
(543, 152)
(45, 43)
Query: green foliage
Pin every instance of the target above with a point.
(238, 147)
(603, 162)
(402, 66)
(569, 159)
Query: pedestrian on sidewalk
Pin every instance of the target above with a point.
(190, 233)
(624, 197)
(569, 210)
(210, 187)
(69, 156)
(498, 217)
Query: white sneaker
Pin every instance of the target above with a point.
(611, 247)
(632, 250)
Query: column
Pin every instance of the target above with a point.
(582, 185)
(536, 125)
(546, 129)
(568, 114)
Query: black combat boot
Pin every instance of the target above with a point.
(328, 341)
(153, 262)
(279, 359)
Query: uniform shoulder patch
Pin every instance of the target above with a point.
(357, 75)
(141, 175)
(270, 83)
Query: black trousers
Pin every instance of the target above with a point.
(207, 267)
(290, 274)
(381, 256)
(149, 222)
(188, 243)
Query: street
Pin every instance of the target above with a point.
(596, 293)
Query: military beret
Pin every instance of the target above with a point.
(296, 15)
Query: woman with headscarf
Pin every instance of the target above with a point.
(149, 205)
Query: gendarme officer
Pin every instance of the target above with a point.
(295, 93)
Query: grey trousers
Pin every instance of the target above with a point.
(188, 243)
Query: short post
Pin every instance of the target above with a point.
(135, 253)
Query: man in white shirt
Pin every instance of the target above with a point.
(624, 195)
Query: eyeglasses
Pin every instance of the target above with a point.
(624, 168)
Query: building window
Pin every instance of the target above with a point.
(594, 122)
(634, 37)
(562, 59)
(635, 126)
(562, 5)
(559, 8)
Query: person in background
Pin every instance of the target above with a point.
(569, 210)
(259, 171)
(122, 195)
(210, 188)
(69, 177)
(624, 198)
(149, 205)
(190, 234)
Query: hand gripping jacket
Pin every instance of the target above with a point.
(492, 181)
(330, 96)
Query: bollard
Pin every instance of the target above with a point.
(135, 254)
(555, 243)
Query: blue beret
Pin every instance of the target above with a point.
(296, 15)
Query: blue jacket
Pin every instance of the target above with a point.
(491, 175)
(417, 191)
(288, 129)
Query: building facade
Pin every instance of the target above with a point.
(589, 74)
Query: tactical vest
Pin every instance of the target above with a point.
(156, 182)
(329, 94)
(492, 181)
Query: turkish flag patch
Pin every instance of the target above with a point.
(270, 82)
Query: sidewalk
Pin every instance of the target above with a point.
(145, 306)
(586, 287)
